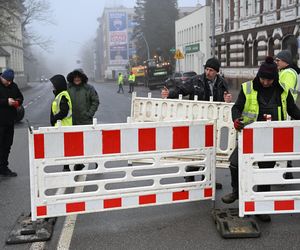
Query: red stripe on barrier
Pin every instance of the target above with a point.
(284, 205)
(147, 199)
(111, 141)
(39, 146)
(147, 139)
(75, 207)
(111, 203)
(249, 206)
(180, 137)
(209, 135)
(208, 192)
(283, 140)
(182, 195)
(73, 144)
(41, 211)
(248, 141)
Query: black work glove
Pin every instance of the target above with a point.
(238, 124)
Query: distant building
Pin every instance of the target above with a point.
(114, 45)
(247, 31)
(11, 43)
(192, 34)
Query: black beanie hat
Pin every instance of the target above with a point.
(268, 69)
(213, 63)
(285, 55)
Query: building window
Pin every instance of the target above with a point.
(271, 5)
(201, 32)
(247, 8)
(291, 1)
(256, 6)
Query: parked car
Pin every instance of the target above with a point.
(178, 78)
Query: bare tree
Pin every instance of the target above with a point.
(87, 57)
(36, 11)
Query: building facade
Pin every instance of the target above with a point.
(193, 40)
(247, 31)
(114, 44)
(11, 44)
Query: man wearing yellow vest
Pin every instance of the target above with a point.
(61, 108)
(120, 83)
(288, 73)
(288, 78)
(262, 96)
(131, 81)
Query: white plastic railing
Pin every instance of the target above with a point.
(110, 183)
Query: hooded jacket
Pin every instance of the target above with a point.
(198, 85)
(60, 85)
(8, 113)
(85, 100)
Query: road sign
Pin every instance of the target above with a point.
(172, 50)
(178, 54)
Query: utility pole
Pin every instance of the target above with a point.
(213, 28)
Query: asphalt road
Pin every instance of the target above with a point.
(179, 226)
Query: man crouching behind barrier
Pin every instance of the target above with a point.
(260, 97)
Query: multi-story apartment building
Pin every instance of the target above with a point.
(11, 43)
(114, 44)
(193, 39)
(247, 31)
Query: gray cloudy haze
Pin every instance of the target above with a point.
(76, 23)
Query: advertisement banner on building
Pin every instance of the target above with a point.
(118, 54)
(118, 37)
(117, 21)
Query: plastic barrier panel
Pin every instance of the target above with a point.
(158, 109)
(266, 142)
(110, 183)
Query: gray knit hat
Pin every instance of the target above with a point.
(285, 55)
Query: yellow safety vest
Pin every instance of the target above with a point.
(67, 121)
(120, 79)
(288, 78)
(251, 107)
(131, 78)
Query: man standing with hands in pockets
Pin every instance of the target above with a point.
(10, 99)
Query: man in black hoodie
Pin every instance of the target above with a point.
(262, 96)
(10, 99)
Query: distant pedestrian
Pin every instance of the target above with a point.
(10, 99)
(61, 108)
(85, 100)
(131, 81)
(120, 83)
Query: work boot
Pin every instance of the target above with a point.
(230, 198)
(263, 217)
(6, 172)
(66, 168)
(78, 167)
(219, 185)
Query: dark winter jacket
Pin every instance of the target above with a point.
(265, 95)
(85, 100)
(59, 84)
(198, 85)
(8, 113)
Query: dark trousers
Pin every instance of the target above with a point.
(6, 140)
(234, 170)
(131, 87)
(121, 88)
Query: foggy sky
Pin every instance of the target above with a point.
(76, 23)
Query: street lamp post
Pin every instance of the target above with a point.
(147, 45)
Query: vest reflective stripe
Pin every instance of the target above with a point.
(290, 85)
(251, 107)
(131, 78)
(67, 121)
